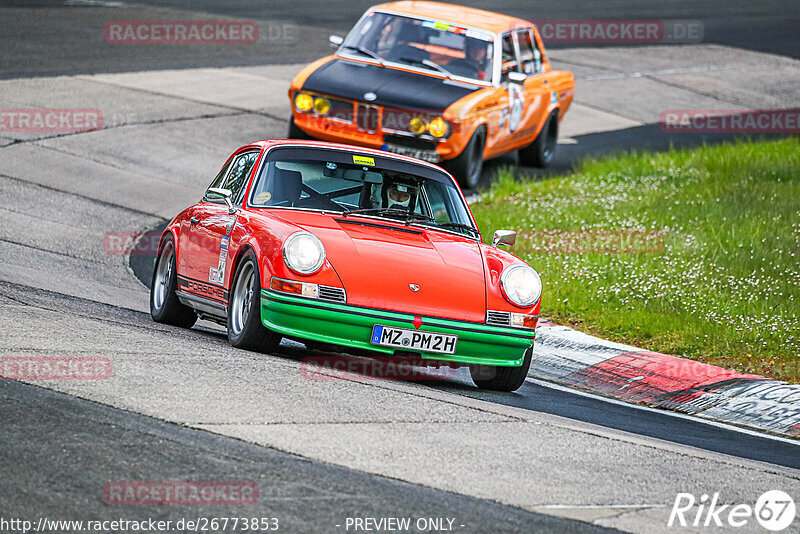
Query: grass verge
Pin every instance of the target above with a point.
(694, 253)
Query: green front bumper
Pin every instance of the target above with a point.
(351, 326)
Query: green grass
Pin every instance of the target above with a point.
(720, 280)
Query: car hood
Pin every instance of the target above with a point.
(394, 88)
(378, 263)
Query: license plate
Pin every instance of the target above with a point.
(413, 339)
(419, 153)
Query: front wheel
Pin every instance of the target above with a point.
(542, 151)
(245, 330)
(468, 165)
(164, 304)
(501, 378)
(295, 132)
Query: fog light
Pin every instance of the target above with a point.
(417, 125)
(322, 106)
(438, 127)
(303, 102)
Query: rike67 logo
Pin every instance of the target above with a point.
(774, 510)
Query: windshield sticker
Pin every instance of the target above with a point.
(363, 160)
(216, 275)
(262, 198)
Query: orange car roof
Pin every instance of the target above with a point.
(468, 16)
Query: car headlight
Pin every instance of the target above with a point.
(322, 105)
(303, 253)
(438, 127)
(303, 102)
(417, 125)
(521, 285)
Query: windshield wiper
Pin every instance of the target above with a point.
(474, 231)
(430, 64)
(366, 52)
(407, 216)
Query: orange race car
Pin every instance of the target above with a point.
(447, 84)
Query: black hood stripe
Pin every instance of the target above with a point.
(394, 88)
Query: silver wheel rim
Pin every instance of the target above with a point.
(163, 274)
(243, 297)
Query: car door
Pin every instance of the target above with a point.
(212, 224)
(536, 90)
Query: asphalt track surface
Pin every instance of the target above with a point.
(58, 450)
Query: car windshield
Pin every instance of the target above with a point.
(329, 180)
(447, 49)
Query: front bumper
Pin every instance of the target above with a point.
(351, 326)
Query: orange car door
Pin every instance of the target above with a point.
(537, 93)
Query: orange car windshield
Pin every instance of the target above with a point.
(449, 50)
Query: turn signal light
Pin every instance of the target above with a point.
(525, 321)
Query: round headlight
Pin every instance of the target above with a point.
(438, 127)
(321, 105)
(417, 125)
(303, 102)
(303, 253)
(521, 285)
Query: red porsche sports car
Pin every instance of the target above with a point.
(351, 247)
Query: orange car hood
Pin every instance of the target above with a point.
(379, 262)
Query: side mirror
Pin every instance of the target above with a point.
(335, 40)
(517, 77)
(504, 237)
(226, 195)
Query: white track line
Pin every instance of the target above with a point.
(711, 422)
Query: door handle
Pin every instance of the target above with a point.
(194, 220)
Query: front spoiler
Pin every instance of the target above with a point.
(351, 326)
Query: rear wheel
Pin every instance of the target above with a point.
(164, 304)
(245, 330)
(468, 165)
(295, 132)
(501, 378)
(542, 151)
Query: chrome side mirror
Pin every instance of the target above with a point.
(226, 195)
(504, 237)
(335, 40)
(517, 77)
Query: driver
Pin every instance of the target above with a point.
(475, 54)
(399, 196)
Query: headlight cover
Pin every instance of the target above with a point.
(303, 253)
(521, 285)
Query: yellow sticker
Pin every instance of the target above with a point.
(363, 160)
(263, 198)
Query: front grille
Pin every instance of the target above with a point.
(335, 294)
(410, 142)
(341, 110)
(498, 318)
(367, 117)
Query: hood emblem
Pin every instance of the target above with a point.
(413, 287)
(369, 97)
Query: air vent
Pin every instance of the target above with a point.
(335, 294)
(498, 318)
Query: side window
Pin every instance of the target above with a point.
(237, 174)
(529, 56)
(220, 177)
(509, 60)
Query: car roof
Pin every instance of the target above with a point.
(468, 16)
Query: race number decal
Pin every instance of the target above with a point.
(516, 103)
(216, 275)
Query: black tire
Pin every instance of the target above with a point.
(501, 378)
(245, 330)
(295, 132)
(164, 304)
(467, 167)
(542, 151)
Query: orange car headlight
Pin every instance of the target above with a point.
(303, 102)
(417, 125)
(321, 105)
(438, 127)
